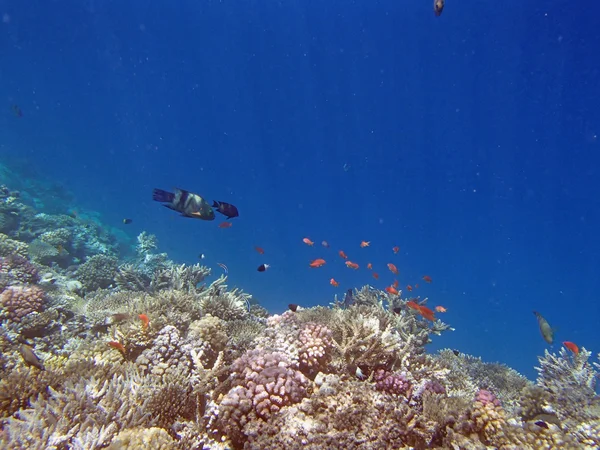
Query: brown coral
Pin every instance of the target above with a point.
(18, 301)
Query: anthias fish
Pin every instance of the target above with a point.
(545, 328)
(186, 203)
(227, 209)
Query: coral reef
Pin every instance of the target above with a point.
(106, 350)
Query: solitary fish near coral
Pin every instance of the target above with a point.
(545, 329)
(186, 203)
(29, 357)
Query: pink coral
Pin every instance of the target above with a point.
(486, 397)
(266, 382)
(392, 383)
(18, 301)
(315, 347)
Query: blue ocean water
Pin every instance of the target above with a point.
(469, 140)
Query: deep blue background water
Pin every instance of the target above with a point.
(470, 141)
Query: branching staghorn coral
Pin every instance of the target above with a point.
(468, 374)
(85, 414)
(180, 278)
(570, 380)
(227, 305)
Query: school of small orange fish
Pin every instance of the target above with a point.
(391, 289)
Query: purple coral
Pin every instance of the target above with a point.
(391, 383)
(435, 387)
(266, 382)
(18, 301)
(486, 397)
(315, 347)
(19, 268)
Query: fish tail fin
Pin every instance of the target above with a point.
(215, 204)
(162, 196)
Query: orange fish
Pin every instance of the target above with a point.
(376, 275)
(427, 313)
(427, 278)
(393, 268)
(364, 244)
(423, 310)
(333, 282)
(117, 345)
(396, 284)
(351, 265)
(409, 288)
(225, 225)
(396, 249)
(440, 309)
(145, 321)
(259, 250)
(342, 254)
(307, 241)
(369, 266)
(416, 286)
(571, 346)
(391, 290)
(317, 263)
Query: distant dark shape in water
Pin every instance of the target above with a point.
(186, 203)
(29, 357)
(438, 7)
(545, 328)
(227, 209)
(397, 310)
(263, 267)
(127, 221)
(542, 424)
(17, 111)
(456, 352)
(348, 299)
(293, 307)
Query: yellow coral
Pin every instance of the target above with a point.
(137, 438)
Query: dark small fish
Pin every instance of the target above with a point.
(227, 209)
(348, 299)
(397, 310)
(186, 203)
(438, 7)
(18, 112)
(325, 244)
(293, 307)
(263, 267)
(542, 424)
(29, 357)
(456, 352)
(127, 221)
(545, 328)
